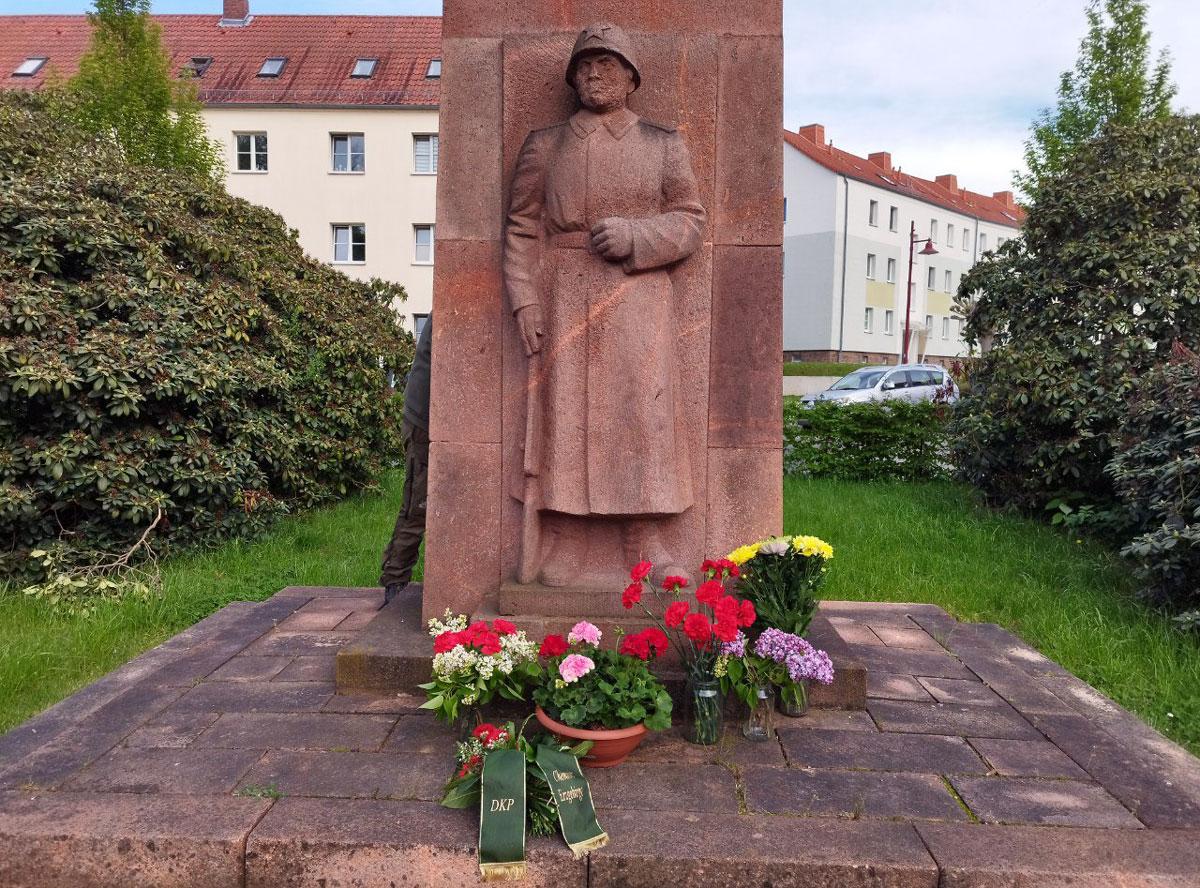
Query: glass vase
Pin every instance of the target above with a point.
(793, 699)
(760, 723)
(704, 718)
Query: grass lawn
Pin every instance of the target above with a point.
(818, 368)
(894, 542)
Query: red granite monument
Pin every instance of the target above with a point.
(608, 297)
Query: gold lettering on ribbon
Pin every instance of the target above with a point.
(563, 775)
(502, 804)
(571, 795)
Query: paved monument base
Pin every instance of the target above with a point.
(392, 654)
(224, 758)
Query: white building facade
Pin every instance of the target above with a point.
(846, 252)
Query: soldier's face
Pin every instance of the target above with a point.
(602, 81)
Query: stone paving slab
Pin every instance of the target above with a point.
(243, 706)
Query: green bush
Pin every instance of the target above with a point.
(164, 346)
(1157, 476)
(895, 440)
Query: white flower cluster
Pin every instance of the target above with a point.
(448, 623)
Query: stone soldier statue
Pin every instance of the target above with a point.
(601, 206)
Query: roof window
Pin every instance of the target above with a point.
(272, 67)
(197, 65)
(29, 67)
(435, 69)
(364, 67)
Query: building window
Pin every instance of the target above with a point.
(434, 70)
(364, 68)
(419, 322)
(894, 218)
(929, 324)
(932, 281)
(425, 154)
(30, 66)
(966, 239)
(785, 209)
(349, 243)
(933, 230)
(272, 67)
(982, 242)
(423, 244)
(891, 271)
(1000, 242)
(869, 321)
(887, 322)
(948, 279)
(196, 66)
(958, 325)
(873, 213)
(949, 235)
(871, 266)
(349, 152)
(945, 328)
(251, 152)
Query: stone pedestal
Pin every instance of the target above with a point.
(713, 70)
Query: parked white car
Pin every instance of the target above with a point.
(908, 382)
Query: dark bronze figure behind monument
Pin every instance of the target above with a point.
(600, 205)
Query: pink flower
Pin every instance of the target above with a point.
(586, 632)
(574, 667)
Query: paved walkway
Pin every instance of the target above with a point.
(224, 758)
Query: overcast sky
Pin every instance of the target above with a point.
(947, 87)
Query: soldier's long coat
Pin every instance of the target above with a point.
(614, 441)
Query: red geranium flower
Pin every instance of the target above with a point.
(447, 641)
(746, 613)
(636, 646)
(675, 613)
(657, 639)
(503, 627)
(553, 646)
(697, 627)
(673, 583)
(632, 594)
(640, 571)
(709, 592)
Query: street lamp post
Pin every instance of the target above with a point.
(928, 250)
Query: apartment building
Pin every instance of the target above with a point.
(329, 120)
(847, 227)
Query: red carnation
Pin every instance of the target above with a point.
(636, 646)
(447, 641)
(675, 613)
(632, 594)
(673, 583)
(487, 733)
(553, 646)
(709, 566)
(730, 568)
(488, 643)
(657, 639)
(475, 631)
(697, 628)
(503, 627)
(709, 592)
(640, 571)
(726, 630)
(747, 614)
(726, 609)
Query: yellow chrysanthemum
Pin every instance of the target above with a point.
(742, 554)
(811, 545)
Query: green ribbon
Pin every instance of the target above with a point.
(573, 798)
(502, 816)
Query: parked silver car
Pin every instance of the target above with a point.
(908, 382)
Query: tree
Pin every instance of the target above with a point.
(124, 87)
(1112, 82)
(1082, 307)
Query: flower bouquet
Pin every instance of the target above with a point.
(781, 575)
(473, 663)
(587, 692)
(776, 659)
(696, 629)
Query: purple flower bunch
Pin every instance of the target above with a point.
(802, 660)
(735, 648)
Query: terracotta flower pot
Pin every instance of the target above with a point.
(609, 748)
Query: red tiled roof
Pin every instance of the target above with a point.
(320, 49)
(999, 208)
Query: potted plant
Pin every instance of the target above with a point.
(475, 662)
(608, 697)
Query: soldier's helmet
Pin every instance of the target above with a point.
(604, 37)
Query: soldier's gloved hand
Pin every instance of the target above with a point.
(612, 238)
(532, 327)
